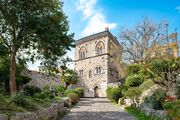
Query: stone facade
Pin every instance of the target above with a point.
(40, 79)
(97, 60)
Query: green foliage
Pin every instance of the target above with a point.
(20, 99)
(139, 114)
(80, 92)
(157, 99)
(134, 80)
(45, 94)
(70, 77)
(133, 69)
(31, 90)
(60, 90)
(73, 97)
(173, 109)
(114, 94)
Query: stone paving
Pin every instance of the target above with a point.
(97, 109)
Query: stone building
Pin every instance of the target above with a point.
(98, 60)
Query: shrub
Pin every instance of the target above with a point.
(134, 80)
(31, 90)
(157, 99)
(20, 99)
(45, 94)
(133, 69)
(68, 92)
(60, 89)
(114, 94)
(80, 92)
(139, 114)
(74, 98)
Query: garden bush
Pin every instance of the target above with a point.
(114, 94)
(60, 90)
(74, 98)
(133, 69)
(157, 99)
(20, 99)
(31, 90)
(45, 94)
(134, 80)
(80, 92)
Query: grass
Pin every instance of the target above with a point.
(139, 114)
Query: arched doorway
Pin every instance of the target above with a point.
(96, 92)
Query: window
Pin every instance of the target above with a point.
(81, 73)
(98, 70)
(82, 53)
(99, 48)
(90, 74)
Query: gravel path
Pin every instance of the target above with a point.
(97, 109)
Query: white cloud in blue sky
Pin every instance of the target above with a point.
(96, 20)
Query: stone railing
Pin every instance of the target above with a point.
(50, 113)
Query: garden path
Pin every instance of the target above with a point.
(97, 109)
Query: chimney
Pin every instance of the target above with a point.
(106, 29)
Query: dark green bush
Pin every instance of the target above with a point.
(134, 80)
(31, 90)
(157, 99)
(20, 99)
(133, 69)
(80, 92)
(74, 98)
(45, 94)
(114, 94)
(60, 90)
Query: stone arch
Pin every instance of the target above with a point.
(100, 48)
(96, 91)
(82, 52)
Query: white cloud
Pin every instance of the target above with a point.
(96, 24)
(87, 7)
(178, 9)
(95, 18)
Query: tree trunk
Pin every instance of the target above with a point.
(12, 82)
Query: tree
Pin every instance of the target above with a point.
(33, 30)
(138, 41)
(165, 72)
(69, 77)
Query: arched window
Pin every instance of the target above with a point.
(90, 74)
(99, 48)
(82, 53)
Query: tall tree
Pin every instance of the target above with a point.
(138, 41)
(35, 29)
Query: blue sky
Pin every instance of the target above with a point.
(91, 16)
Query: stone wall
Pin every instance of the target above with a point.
(50, 113)
(150, 111)
(41, 79)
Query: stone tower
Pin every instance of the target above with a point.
(98, 59)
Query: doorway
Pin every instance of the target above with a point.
(96, 92)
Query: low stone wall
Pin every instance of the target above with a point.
(50, 113)
(150, 111)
